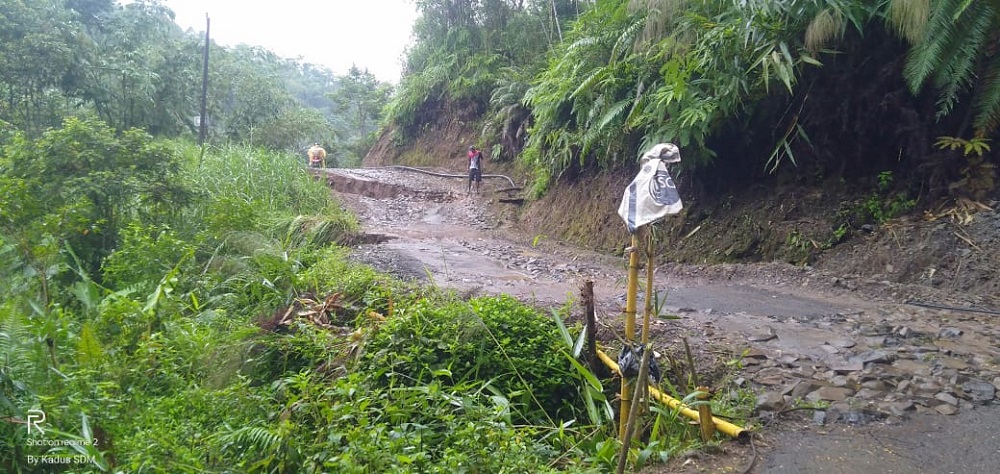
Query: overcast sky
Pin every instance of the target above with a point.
(371, 34)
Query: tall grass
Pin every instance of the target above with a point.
(250, 187)
(163, 330)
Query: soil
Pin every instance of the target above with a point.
(876, 353)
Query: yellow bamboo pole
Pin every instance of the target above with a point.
(633, 289)
(631, 295)
(648, 308)
(720, 424)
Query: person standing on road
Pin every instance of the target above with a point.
(475, 169)
(317, 156)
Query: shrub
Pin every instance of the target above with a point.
(81, 183)
(494, 340)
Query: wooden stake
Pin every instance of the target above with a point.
(633, 289)
(589, 315)
(705, 416)
(633, 412)
(693, 374)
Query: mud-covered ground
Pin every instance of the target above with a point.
(899, 370)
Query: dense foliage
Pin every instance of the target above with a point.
(187, 335)
(516, 351)
(744, 87)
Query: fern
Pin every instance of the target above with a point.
(638, 111)
(582, 43)
(258, 437)
(927, 55)
(89, 351)
(956, 74)
(950, 53)
(626, 39)
(987, 100)
(15, 361)
(613, 113)
(587, 84)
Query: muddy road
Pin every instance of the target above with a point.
(905, 377)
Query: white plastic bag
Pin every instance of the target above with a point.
(652, 195)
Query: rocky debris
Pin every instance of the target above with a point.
(830, 394)
(949, 333)
(946, 409)
(892, 380)
(855, 417)
(771, 401)
(979, 391)
(537, 263)
(764, 336)
(405, 210)
(842, 343)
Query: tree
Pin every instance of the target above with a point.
(142, 71)
(79, 184)
(361, 97)
(463, 49)
(247, 93)
(36, 50)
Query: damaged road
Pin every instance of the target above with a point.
(891, 373)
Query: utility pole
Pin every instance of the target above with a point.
(203, 126)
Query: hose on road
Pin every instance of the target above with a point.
(445, 175)
(950, 308)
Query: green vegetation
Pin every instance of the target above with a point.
(882, 206)
(875, 208)
(978, 174)
(839, 88)
(174, 311)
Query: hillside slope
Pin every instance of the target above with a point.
(950, 249)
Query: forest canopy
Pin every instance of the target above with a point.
(131, 66)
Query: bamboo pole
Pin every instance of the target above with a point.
(633, 289)
(203, 118)
(630, 306)
(647, 312)
(640, 391)
(722, 425)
